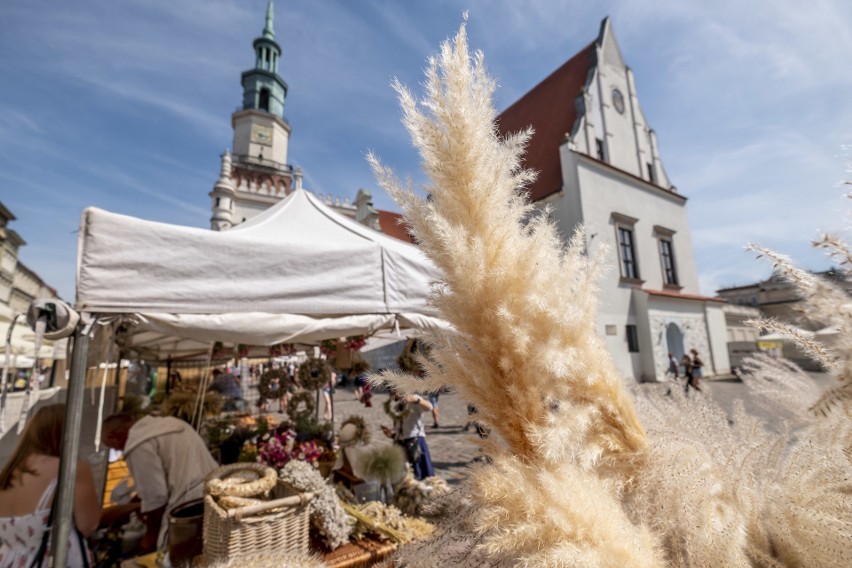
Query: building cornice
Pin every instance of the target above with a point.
(680, 296)
(14, 238)
(269, 74)
(645, 184)
(5, 213)
(260, 114)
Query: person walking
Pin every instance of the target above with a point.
(673, 366)
(697, 370)
(687, 372)
(433, 400)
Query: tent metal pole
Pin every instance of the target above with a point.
(63, 519)
(331, 399)
(169, 375)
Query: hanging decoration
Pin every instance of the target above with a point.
(328, 347)
(219, 351)
(243, 350)
(397, 410)
(282, 349)
(301, 407)
(356, 342)
(314, 373)
(273, 384)
(362, 433)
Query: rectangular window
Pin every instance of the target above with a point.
(629, 269)
(667, 256)
(600, 149)
(652, 177)
(632, 338)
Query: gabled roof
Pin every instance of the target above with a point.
(551, 109)
(392, 224)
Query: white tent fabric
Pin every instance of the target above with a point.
(297, 272)
(23, 340)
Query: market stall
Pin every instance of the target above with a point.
(297, 273)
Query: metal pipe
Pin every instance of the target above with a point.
(63, 518)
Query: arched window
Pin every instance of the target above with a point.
(263, 104)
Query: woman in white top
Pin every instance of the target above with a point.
(27, 489)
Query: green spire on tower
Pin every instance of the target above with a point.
(268, 31)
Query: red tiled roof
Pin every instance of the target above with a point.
(551, 109)
(671, 294)
(392, 225)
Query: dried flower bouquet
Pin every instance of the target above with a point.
(574, 478)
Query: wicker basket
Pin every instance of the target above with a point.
(281, 524)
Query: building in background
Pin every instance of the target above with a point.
(599, 166)
(19, 286)
(256, 174)
(776, 297)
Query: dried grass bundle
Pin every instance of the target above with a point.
(523, 348)
(575, 480)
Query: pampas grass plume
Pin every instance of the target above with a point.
(575, 477)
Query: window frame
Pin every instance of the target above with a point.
(601, 150)
(260, 99)
(666, 236)
(631, 335)
(625, 224)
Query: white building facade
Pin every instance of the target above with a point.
(599, 166)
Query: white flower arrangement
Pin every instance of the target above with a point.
(327, 515)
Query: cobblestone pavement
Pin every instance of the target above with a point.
(453, 449)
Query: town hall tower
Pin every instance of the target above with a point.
(255, 174)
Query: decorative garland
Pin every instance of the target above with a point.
(314, 373)
(406, 360)
(294, 410)
(362, 433)
(356, 342)
(359, 367)
(241, 480)
(265, 389)
(397, 415)
(219, 351)
(328, 347)
(282, 349)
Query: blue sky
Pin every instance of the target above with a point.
(126, 105)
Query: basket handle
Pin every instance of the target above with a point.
(300, 499)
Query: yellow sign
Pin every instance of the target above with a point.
(767, 345)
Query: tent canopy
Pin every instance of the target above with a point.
(297, 272)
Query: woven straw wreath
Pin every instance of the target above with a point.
(241, 480)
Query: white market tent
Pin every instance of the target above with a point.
(299, 272)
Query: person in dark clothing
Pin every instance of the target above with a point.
(687, 372)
